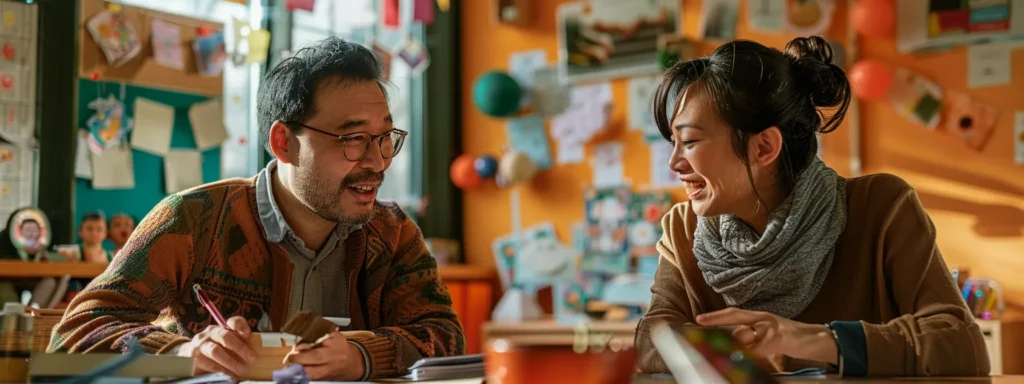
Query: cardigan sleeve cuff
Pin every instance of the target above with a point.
(366, 360)
(381, 352)
(852, 345)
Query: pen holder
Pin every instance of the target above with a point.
(984, 298)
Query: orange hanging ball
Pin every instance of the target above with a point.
(464, 174)
(870, 80)
(873, 18)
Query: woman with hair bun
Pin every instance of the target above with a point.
(808, 268)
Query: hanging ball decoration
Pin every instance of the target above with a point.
(870, 79)
(873, 18)
(463, 173)
(486, 166)
(497, 94)
(515, 167)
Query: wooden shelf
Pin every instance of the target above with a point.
(21, 269)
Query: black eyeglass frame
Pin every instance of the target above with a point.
(378, 138)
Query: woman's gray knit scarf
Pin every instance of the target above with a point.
(781, 271)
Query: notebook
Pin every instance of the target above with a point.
(446, 368)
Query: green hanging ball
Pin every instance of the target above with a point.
(497, 94)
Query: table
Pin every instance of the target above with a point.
(642, 378)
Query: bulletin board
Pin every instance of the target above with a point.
(148, 168)
(143, 69)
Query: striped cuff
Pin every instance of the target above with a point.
(366, 360)
(853, 347)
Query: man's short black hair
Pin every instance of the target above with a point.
(27, 221)
(288, 91)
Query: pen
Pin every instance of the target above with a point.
(206, 303)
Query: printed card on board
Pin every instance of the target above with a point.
(210, 54)
(645, 213)
(607, 218)
(115, 36)
(166, 40)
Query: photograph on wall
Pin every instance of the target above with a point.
(938, 24)
(603, 39)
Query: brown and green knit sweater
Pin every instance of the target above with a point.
(212, 235)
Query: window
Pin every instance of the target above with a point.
(360, 23)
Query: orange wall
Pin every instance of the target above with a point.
(975, 199)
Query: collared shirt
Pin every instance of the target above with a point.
(318, 281)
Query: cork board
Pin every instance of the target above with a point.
(143, 70)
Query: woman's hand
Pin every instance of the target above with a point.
(767, 334)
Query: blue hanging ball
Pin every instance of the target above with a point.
(486, 166)
(497, 94)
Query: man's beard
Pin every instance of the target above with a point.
(323, 197)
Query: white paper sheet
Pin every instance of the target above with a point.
(767, 15)
(522, 66)
(641, 93)
(586, 114)
(607, 164)
(207, 120)
(1018, 134)
(661, 175)
(153, 124)
(989, 65)
(183, 169)
(83, 164)
(113, 169)
(569, 153)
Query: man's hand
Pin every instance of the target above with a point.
(219, 349)
(335, 359)
(768, 334)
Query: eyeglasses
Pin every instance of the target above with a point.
(355, 145)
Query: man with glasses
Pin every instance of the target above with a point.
(306, 234)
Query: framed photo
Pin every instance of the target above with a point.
(604, 39)
(30, 232)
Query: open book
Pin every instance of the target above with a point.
(445, 368)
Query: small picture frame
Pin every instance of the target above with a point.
(30, 233)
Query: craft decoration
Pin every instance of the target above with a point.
(514, 167)
(645, 213)
(607, 215)
(916, 98)
(29, 232)
(527, 135)
(414, 54)
(210, 54)
(108, 125)
(873, 18)
(870, 79)
(486, 166)
(497, 94)
(463, 173)
(809, 17)
(115, 36)
(970, 121)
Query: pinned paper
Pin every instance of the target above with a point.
(390, 13)
(989, 65)
(916, 98)
(109, 125)
(259, 44)
(809, 17)
(970, 120)
(1018, 135)
(662, 176)
(527, 135)
(719, 19)
(523, 65)
(153, 125)
(607, 165)
(550, 94)
(167, 49)
(569, 153)
(83, 162)
(207, 120)
(183, 169)
(113, 169)
(423, 11)
(210, 54)
(607, 220)
(586, 115)
(305, 5)
(767, 15)
(641, 115)
(115, 36)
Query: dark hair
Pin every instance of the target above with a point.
(288, 91)
(93, 216)
(753, 87)
(26, 221)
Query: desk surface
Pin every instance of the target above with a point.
(664, 379)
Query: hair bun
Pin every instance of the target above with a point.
(812, 63)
